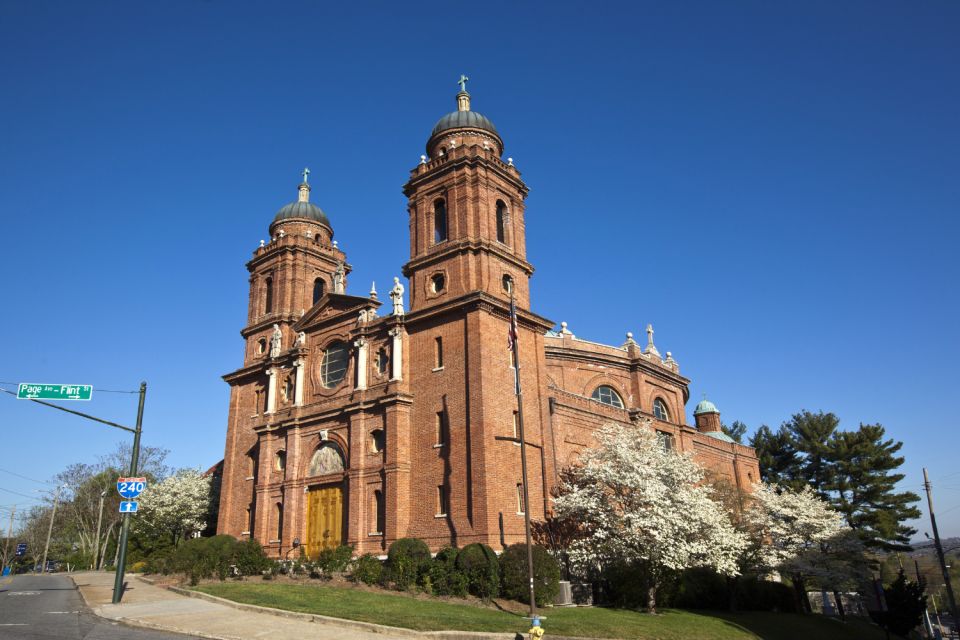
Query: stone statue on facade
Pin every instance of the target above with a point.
(396, 296)
(301, 340)
(275, 340)
(338, 277)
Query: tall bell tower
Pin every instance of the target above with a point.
(466, 214)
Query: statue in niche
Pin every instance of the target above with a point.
(275, 341)
(338, 277)
(326, 460)
(301, 340)
(396, 296)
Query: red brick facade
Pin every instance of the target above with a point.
(418, 438)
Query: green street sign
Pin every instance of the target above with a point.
(30, 391)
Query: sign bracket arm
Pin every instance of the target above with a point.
(78, 413)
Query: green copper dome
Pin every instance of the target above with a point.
(705, 406)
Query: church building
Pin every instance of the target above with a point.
(358, 421)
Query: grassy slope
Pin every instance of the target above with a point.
(401, 611)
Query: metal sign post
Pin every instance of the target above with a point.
(125, 529)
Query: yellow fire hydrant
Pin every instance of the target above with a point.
(536, 631)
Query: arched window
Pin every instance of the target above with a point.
(660, 410)
(268, 296)
(507, 283)
(439, 221)
(607, 395)
(333, 367)
(281, 460)
(318, 286)
(437, 283)
(501, 222)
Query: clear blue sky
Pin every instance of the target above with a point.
(775, 186)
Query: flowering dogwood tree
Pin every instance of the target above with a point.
(800, 534)
(177, 506)
(637, 501)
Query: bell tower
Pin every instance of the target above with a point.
(466, 208)
(291, 272)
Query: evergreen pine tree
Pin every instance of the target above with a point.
(736, 430)
(863, 487)
(905, 606)
(777, 455)
(811, 434)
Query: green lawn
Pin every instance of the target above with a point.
(434, 615)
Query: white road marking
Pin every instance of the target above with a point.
(61, 612)
(14, 624)
(23, 593)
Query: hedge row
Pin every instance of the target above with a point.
(475, 569)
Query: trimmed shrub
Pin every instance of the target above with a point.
(445, 578)
(514, 578)
(754, 594)
(478, 562)
(330, 561)
(249, 558)
(702, 588)
(367, 569)
(407, 560)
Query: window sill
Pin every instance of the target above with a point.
(435, 369)
(274, 542)
(249, 478)
(440, 515)
(521, 513)
(244, 533)
(375, 534)
(439, 446)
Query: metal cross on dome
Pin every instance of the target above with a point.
(463, 83)
(306, 173)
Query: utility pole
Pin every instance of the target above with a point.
(943, 562)
(125, 529)
(96, 544)
(53, 514)
(6, 545)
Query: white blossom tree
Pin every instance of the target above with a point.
(175, 507)
(637, 501)
(800, 534)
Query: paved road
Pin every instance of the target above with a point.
(45, 607)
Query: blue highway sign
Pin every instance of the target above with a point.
(130, 488)
(21, 548)
(129, 506)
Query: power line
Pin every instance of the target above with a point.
(17, 493)
(25, 477)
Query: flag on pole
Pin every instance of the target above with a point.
(512, 333)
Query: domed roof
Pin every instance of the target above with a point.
(302, 210)
(464, 120)
(705, 406)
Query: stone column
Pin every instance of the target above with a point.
(396, 354)
(298, 390)
(361, 346)
(272, 391)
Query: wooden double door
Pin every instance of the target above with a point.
(324, 518)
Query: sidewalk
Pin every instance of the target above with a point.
(203, 616)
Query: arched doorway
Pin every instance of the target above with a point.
(325, 504)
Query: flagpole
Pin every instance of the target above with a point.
(523, 447)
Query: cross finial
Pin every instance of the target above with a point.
(463, 83)
(649, 334)
(306, 174)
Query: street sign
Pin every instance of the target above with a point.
(34, 391)
(21, 548)
(129, 506)
(130, 488)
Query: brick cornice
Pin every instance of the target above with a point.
(479, 301)
(451, 248)
(468, 160)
